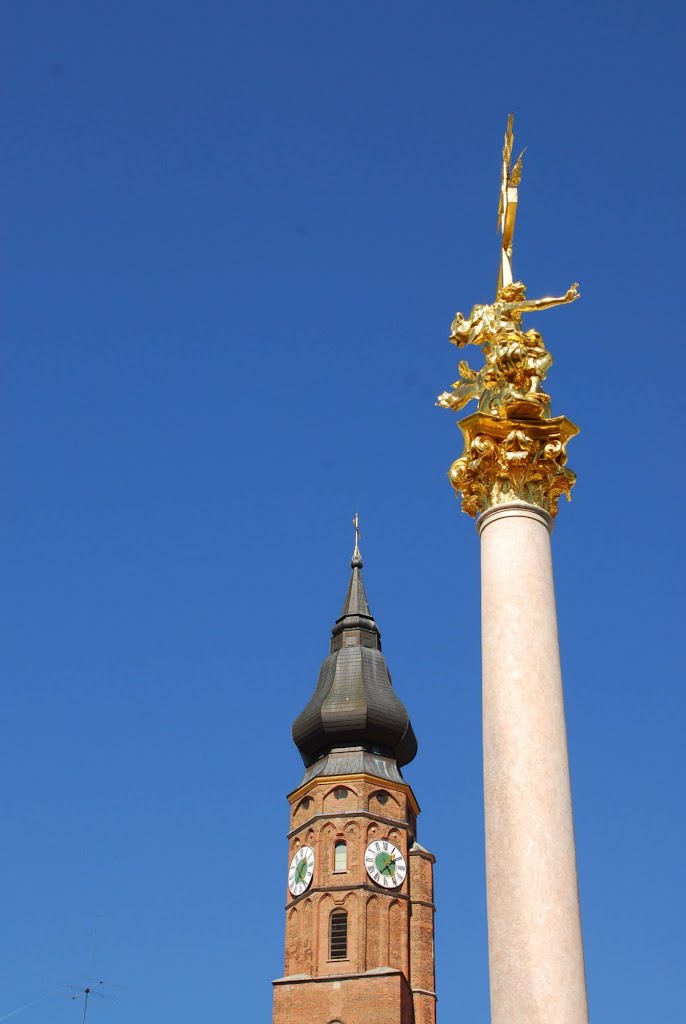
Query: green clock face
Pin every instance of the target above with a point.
(385, 864)
(301, 870)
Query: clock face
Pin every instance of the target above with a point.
(385, 864)
(301, 870)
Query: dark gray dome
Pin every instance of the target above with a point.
(354, 704)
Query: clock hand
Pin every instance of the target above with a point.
(386, 869)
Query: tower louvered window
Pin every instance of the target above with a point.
(338, 935)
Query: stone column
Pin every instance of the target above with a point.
(534, 929)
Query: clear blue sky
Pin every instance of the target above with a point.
(233, 240)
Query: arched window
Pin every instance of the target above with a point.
(338, 935)
(340, 856)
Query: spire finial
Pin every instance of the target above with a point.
(357, 557)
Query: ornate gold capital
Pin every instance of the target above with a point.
(507, 460)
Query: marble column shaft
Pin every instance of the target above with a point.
(534, 928)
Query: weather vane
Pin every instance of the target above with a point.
(507, 388)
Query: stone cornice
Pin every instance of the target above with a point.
(423, 903)
(323, 890)
(369, 815)
(298, 979)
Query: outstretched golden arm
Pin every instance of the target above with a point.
(531, 305)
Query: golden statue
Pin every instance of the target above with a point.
(508, 386)
(516, 360)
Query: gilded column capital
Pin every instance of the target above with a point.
(506, 460)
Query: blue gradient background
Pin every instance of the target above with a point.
(233, 239)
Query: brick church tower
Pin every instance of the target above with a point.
(359, 912)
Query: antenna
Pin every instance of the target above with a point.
(88, 991)
(91, 986)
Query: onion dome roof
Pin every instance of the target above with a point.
(354, 712)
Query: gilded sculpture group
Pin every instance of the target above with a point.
(516, 360)
(513, 449)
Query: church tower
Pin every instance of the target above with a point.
(359, 911)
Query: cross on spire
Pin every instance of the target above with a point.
(356, 524)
